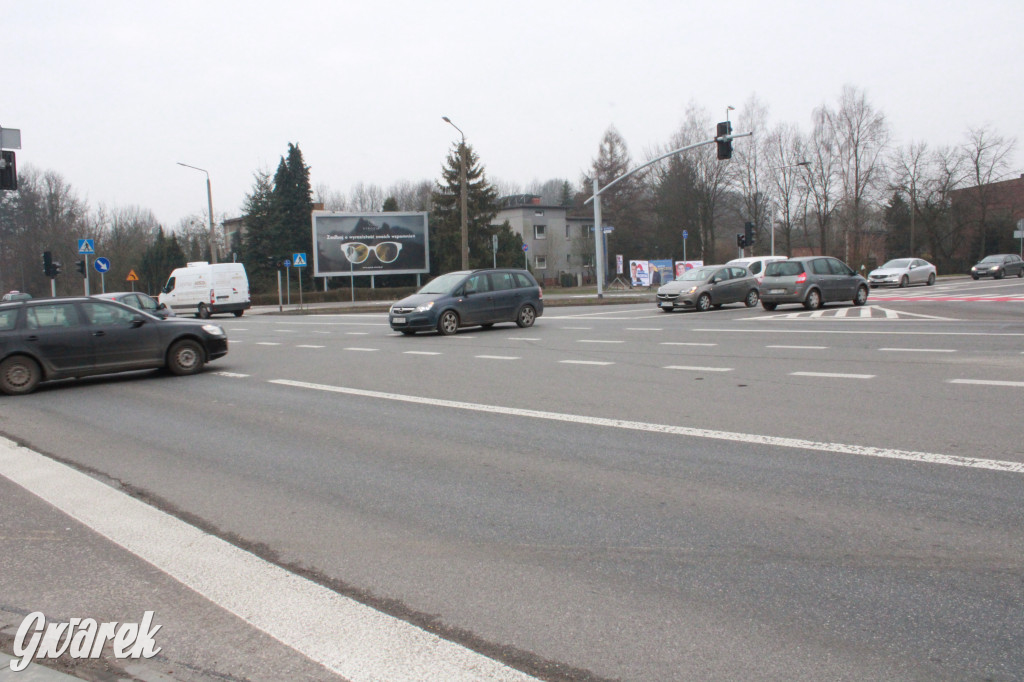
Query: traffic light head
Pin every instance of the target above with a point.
(748, 233)
(80, 266)
(740, 241)
(8, 171)
(48, 264)
(724, 140)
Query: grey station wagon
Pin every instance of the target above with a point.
(812, 282)
(467, 298)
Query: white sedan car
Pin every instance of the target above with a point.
(903, 272)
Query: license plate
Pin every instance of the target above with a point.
(398, 320)
(665, 305)
(776, 291)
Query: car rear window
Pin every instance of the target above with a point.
(8, 318)
(523, 281)
(784, 269)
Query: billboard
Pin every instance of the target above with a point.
(350, 244)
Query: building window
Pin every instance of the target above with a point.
(538, 212)
(588, 230)
(568, 232)
(568, 258)
(540, 262)
(540, 231)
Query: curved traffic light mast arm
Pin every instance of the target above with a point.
(598, 191)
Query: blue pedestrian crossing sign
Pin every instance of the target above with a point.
(101, 264)
(85, 246)
(298, 260)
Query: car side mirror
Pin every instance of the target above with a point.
(161, 306)
(468, 291)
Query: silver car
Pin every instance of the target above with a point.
(812, 282)
(902, 272)
(709, 286)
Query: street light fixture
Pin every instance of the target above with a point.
(209, 199)
(463, 194)
(771, 219)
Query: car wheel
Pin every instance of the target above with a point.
(203, 313)
(526, 316)
(752, 298)
(974, 277)
(1020, 273)
(19, 375)
(185, 357)
(998, 275)
(904, 282)
(931, 279)
(703, 302)
(862, 295)
(449, 323)
(769, 306)
(813, 300)
(238, 313)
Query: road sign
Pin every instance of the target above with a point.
(299, 260)
(10, 138)
(287, 263)
(101, 264)
(85, 246)
(607, 229)
(685, 234)
(132, 277)
(526, 247)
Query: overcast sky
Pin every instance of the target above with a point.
(112, 94)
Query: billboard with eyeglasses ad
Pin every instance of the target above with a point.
(350, 244)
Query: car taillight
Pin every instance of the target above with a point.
(802, 278)
(213, 299)
(540, 293)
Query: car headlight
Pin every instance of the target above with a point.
(424, 307)
(213, 330)
(691, 290)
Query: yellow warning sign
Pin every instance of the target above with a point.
(132, 277)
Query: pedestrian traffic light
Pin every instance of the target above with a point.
(748, 233)
(740, 241)
(724, 140)
(55, 269)
(8, 171)
(47, 263)
(80, 266)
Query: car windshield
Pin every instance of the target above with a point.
(784, 269)
(898, 263)
(443, 284)
(992, 259)
(698, 274)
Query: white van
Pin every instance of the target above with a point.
(755, 264)
(204, 289)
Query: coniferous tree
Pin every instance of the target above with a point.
(162, 256)
(291, 207)
(446, 219)
(258, 252)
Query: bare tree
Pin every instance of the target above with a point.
(752, 171)
(366, 198)
(822, 176)
(410, 196)
(987, 156)
(331, 200)
(788, 180)
(861, 137)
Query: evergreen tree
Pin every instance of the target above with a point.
(897, 225)
(162, 256)
(291, 207)
(390, 204)
(446, 220)
(258, 252)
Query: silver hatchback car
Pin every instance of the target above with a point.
(713, 285)
(812, 282)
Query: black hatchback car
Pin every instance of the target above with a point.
(60, 338)
(467, 298)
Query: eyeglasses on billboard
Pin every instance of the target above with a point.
(358, 252)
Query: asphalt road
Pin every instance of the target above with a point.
(615, 493)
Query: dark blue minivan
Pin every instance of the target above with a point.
(468, 298)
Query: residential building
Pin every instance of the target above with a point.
(559, 246)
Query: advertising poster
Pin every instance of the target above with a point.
(350, 244)
(661, 272)
(639, 274)
(684, 265)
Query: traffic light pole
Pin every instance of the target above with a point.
(596, 198)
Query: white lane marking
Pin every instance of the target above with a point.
(349, 639)
(800, 347)
(421, 352)
(686, 343)
(598, 341)
(304, 345)
(585, 362)
(918, 350)
(852, 331)
(356, 333)
(644, 329)
(285, 331)
(832, 375)
(579, 329)
(987, 382)
(363, 350)
(755, 439)
(699, 369)
(232, 375)
(497, 357)
(523, 338)
(267, 343)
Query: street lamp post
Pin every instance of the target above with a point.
(209, 199)
(463, 194)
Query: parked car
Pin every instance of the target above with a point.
(467, 298)
(811, 281)
(998, 266)
(902, 272)
(60, 338)
(16, 296)
(714, 285)
(139, 301)
(756, 264)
